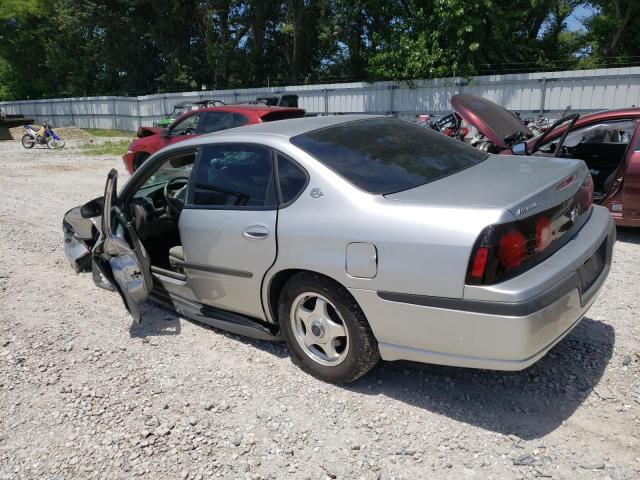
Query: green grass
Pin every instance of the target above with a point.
(106, 148)
(98, 132)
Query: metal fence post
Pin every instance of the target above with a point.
(138, 112)
(391, 90)
(543, 95)
(326, 101)
(114, 120)
(73, 120)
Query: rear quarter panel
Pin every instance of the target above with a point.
(420, 250)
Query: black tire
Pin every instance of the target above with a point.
(28, 141)
(362, 354)
(139, 160)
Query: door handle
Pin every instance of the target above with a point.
(256, 232)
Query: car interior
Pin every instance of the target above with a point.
(602, 146)
(156, 207)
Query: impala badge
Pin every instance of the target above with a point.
(527, 208)
(316, 193)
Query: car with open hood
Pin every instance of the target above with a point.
(608, 142)
(354, 238)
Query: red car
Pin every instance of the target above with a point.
(199, 122)
(607, 141)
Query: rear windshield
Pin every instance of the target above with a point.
(387, 155)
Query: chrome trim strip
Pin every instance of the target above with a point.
(212, 269)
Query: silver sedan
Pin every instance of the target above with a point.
(354, 238)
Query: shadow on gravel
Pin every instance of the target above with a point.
(529, 404)
(629, 235)
(159, 321)
(156, 322)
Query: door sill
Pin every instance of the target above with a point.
(217, 318)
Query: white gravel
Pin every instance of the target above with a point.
(84, 393)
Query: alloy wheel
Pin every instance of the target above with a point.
(319, 329)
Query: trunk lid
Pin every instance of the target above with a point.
(523, 185)
(498, 124)
(542, 202)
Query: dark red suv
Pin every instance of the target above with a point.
(199, 122)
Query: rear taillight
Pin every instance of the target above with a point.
(512, 249)
(479, 262)
(504, 251)
(501, 251)
(544, 234)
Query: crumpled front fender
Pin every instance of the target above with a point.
(80, 235)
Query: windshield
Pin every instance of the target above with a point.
(612, 132)
(387, 155)
(177, 110)
(174, 168)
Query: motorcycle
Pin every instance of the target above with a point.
(44, 136)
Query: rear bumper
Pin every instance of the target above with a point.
(510, 333)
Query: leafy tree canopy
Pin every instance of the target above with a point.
(80, 47)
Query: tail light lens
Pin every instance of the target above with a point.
(512, 249)
(504, 251)
(501, 251)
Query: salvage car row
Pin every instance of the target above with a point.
(355, 238)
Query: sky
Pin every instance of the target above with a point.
(574, 21)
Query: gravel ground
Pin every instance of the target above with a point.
(84, 393)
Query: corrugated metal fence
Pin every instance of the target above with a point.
(528, 93)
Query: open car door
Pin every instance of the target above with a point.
(119, 254)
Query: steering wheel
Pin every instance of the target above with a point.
(573, 118)
(175, 194)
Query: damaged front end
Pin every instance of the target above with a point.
(81, 228)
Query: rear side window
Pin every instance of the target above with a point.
(387, 155)
(216, 121)
(282, 115)
(186, 126)
(234, 176)
(291, 177)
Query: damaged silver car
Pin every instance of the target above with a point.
(354, 238)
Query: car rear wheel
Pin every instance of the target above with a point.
(326, 331)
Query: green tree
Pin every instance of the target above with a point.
(613, 31)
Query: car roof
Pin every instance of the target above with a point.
(604, 114)
(260, 110)
(289, 128)
(283, 129)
